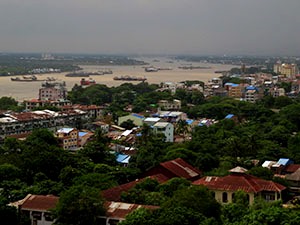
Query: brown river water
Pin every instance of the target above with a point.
(29, 90)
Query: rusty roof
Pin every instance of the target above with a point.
(114, 194)
(239, 181)
(39, 202)
(181, 168)
(291, 168)
(120, 209)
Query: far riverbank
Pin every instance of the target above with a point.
(29, 90)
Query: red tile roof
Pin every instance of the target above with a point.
(114, 194)
(181, 168)
(39, 202)
(120, 210)
(239, 181)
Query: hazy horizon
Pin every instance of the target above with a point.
(151, 27)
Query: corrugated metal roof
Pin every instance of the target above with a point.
(161, 124)
(122, 158)
(181, 168)
(229, 116)
(152, 119)
(119, 210)
(283, 161)
(268, 164)
(126, 133)
(65, 130)
(189, 122)
(114, 194)
(239, 181)
(137, 115)
(39, 202)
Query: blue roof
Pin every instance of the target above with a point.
(229, 116)
(284, 161)
(80, 134)
(189, 122)
(234, 85)
(121, 158)
(251, 88)
(137, 115)
(228, 84)
(139, 134)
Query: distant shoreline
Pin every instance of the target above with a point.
(25, 91)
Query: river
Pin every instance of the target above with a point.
(29, 90)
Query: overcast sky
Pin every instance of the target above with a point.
(248, 27)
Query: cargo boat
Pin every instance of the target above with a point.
(130, 78)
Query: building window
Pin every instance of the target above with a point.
(213, 194)
(270, 197)
(36, 215)
(48, 216)
(224, 197)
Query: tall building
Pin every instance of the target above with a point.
(53, 91)
(288, 70)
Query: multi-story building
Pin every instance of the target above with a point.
(252, 94)
(25, 122)
(68, 138)
(288, 70)
(276, 92)
(53, 91)
(93, 111)
(170, 105)
(234, 90)
(164, 128)
(36, 103)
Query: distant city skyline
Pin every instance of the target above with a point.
(198, 27)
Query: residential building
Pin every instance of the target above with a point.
(53, 91)
(35, 103)
(175, 168)
(294, 181)
(234, 90)
(117, 211)
(24, 122)
(170, 116)
(224, 188)
(252, 94)
(170, 105)
(288, 70)
(68, 138)
(84, 137)
(114, 193)
(104, 127)
(150, 121)
(276, 92)
(135, 118)
(164, 128)
(37, 208)
(93, 111)
(161, 173)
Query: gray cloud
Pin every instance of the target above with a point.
(151, 26)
